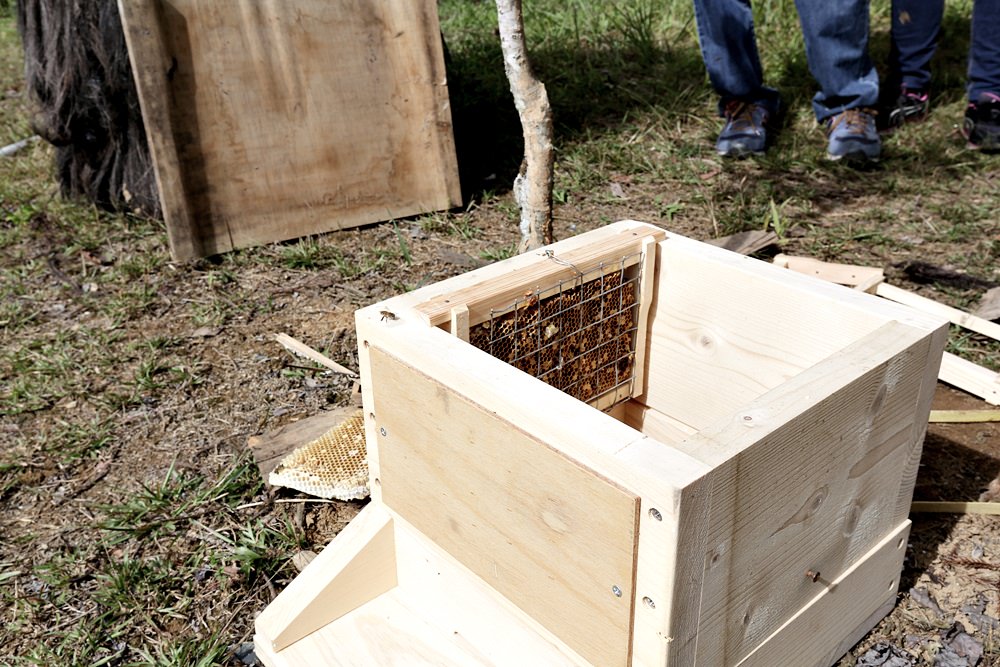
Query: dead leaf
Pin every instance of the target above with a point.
(205, 332)
(302, 558)
(988, 307)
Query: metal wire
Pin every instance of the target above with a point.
(577, 335)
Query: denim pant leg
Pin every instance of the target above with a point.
(984, 54)
(836, 37)
(916, 28)
(729, 49)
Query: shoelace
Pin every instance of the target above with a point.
(856, 120)
(740, 116)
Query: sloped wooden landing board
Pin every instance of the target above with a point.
(273, 120)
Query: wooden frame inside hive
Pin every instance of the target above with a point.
(771, 426)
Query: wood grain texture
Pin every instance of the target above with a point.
(829, 625)
(275, 120)
(804, 483)
(729, 328)
(552, 536)
(357, 567)
(152, 63)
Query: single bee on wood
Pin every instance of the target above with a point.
(388, 315)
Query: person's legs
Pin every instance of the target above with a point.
(916, 28)
(729, 50)
(836, 37)
(984, 53)
(982, 117)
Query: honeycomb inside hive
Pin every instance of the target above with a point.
(577, 335)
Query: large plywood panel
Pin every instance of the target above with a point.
(552, 536)
(272, 120)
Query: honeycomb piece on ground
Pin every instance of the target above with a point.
(334, 465)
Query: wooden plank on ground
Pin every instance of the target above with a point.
(970, 377)
(271, 121)
(963, 416)
(842, 274)
(746, 243)
(954, 315)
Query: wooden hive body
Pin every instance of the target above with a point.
(771, 426)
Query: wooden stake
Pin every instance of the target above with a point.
(303, 350)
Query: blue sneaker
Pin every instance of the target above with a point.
(853, 136)
(745, 131)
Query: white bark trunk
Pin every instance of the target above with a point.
(533, 185)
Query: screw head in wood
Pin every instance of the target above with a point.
(617, 591)
(382, 431)
(655, 513)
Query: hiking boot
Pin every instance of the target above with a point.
(910, 107)
(982, 123)
(853, 136)
(745, 131)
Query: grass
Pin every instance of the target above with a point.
(120, 366)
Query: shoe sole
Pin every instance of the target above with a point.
(853, 158)
(740, 154)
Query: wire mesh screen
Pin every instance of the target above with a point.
(577, 335)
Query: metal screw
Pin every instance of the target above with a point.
(648, 601)
(655, 513)
(382, 431)
(812, 576)
(617, 591)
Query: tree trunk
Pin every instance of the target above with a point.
(533, 185)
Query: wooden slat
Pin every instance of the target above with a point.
(552, 536)
(270, 121)
(646, 296)
(954, 315)
(842, 274)
(971, 377)
(963, 416)
(499, 285)
(152, 65)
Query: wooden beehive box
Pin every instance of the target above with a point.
(715, 467)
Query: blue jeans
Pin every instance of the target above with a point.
(916, 26)
(836, 38)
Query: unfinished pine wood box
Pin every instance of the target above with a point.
(628, 448)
